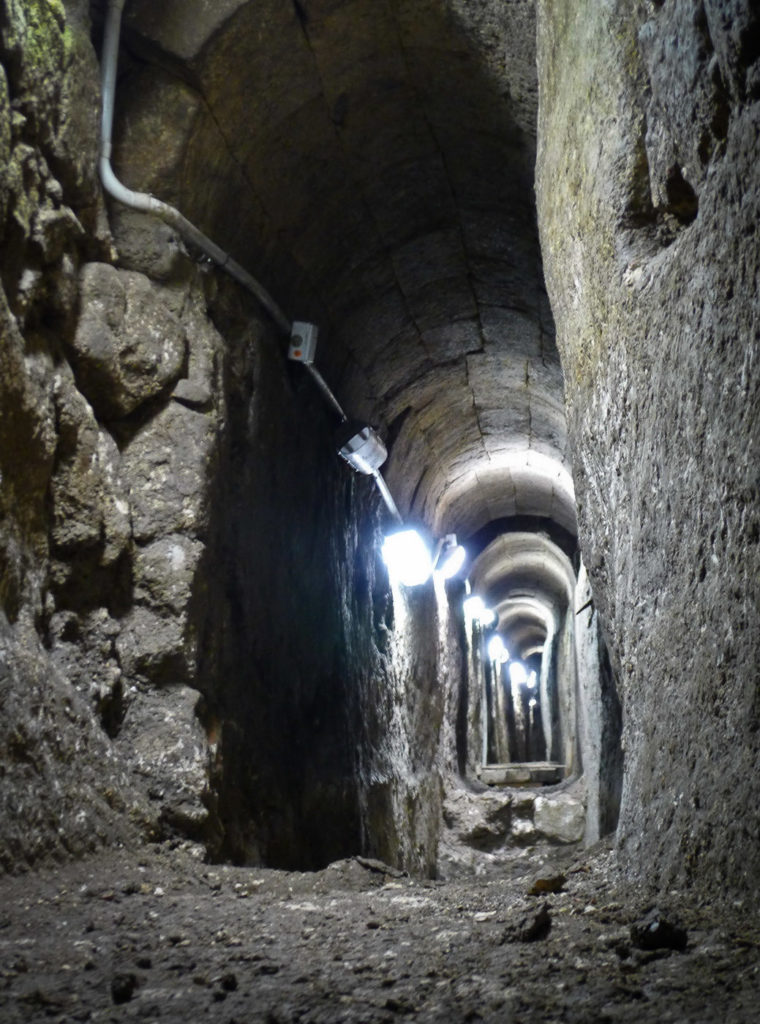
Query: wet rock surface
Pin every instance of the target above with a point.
(159, 935)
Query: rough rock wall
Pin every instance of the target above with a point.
(63, 788)
(327, 690)
(410, 706)
(599, 718)
(649, 195)
(197, 637)
(327, 693)
(111, 414)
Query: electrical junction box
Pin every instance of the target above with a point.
(303, 342)
(361, 447)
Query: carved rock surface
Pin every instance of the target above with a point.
(648, 187)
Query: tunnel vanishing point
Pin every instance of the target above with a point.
(527, 235)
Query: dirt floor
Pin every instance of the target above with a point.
(157, 935)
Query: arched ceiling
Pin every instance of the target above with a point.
(371, 161)
(529, 582)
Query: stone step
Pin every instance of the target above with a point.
(521, 774)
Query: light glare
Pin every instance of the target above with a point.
(473, 606)
(451, 561)
(407, 557)
(517, 673)
(496, 649)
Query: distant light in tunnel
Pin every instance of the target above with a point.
(530, 651)
(408, 557)
(496, 649)
(450, 557)
(517, 673)
(532, 702)
(474, 608)
(487, 617)
(532, 681)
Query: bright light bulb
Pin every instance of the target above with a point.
(496, 649)
(473, 606)
(408, 558)
(532, 702)
(451, 561)
(517, 673)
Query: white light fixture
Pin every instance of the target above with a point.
(408, 557)
(532, 681)
(487, 617)
(474, 608)
(517, 673)
(496, 649)
(450, 557)
(532, 702)
(362, 449)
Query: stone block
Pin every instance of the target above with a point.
(165, 745)
(480, 820)
(452, 340)
(441, 301)
(128, 347)
(83, 650)
(164, 571)
(63, 787)
(560, 818)
(153, 647)
(429, 258)
(174, 31)
(165, 467)
(89, 499)
(411, 197)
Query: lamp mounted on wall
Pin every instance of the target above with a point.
(449, 557)
(407, 557)
(475, 609)
(517, 674)
(496, 649)
(411, 560)
(361, 447)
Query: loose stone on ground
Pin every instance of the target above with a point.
(157, 934)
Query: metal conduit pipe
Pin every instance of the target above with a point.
(189, 232)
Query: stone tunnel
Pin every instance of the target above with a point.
(526, 234)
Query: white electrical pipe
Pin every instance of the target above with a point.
(149, 204)
(387, 497)
(324, 387)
